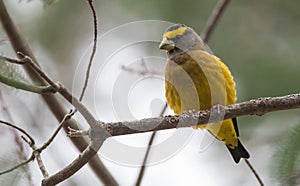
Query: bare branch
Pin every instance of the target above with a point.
(144, 72)
(143, 168)
(78, 105)
(66, 118)
(87, 76)
(67, 172)
(18, 140)
(20, 45)
(36, 151)
(31, 140)
(98, 136)
(98, 133)
(206, 33)
(37, 155)
(67, 95)
(258, 106)
(214, 18)
(254, 172)
(19, 165)
(26, 60)
(73, 133)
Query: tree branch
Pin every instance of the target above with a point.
(217, 113)
(87, 75)
(20, 45)
(57, 87)
(18, 140)
(258, 106)
(67, 172)
(213, 19)
(254, 172)
(25, 162)
(36, 153)
(98, 135)
(30, 141)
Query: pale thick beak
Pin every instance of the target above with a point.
(167, 45)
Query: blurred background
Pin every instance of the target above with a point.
(258, 40)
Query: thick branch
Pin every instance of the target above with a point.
(258, 106)
(217, 113)
(67, 172)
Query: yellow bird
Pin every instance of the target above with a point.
(196, 80)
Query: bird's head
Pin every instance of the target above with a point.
(180, 38)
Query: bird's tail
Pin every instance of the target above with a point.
(238, 152)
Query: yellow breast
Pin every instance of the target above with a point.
(198, 80)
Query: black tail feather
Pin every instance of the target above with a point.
(238, 152)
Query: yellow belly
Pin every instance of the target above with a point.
(198, 82)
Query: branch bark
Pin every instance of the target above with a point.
(98, 135)
(258, 106)
(217, 113)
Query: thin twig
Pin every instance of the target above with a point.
(213, 19)
(37, 154)
(144, 72)
(97, 139)
(61, 124)
(19, 165)
(40, 162)
(206, 33)
(143, 168)
(18, 140)
(37, 151)
(163, 110)
(11, 60)
(140, 72)
(87, 75)
(19, 44)
(26, 60)
(78, 105)
(31, 140)
(254, 172)
(31, 143)
(74, 133)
